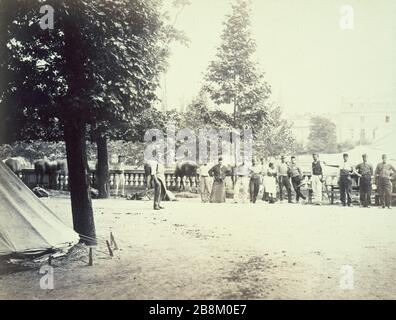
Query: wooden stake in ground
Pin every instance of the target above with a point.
(113, 242)
(90, 258)
(108, 247)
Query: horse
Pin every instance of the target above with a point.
(148, 171)
(186, 169)
(52, 168)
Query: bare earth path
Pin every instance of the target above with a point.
(226, 251)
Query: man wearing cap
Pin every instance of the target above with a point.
(283, 171)
(205, 184)
(365, 172)
(256, 171)
(345, 180)
(241, 183)
(264, 169)
(219, 174)
(158, 177)
(119, 178)
(297, 178)
(316, 179)
(383, 174)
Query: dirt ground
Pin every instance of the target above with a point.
(224, 251)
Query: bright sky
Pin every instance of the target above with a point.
(310, 62)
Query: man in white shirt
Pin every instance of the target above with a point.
(119, 178)
(241, 188)
(345, 180)
(158, 176)
(205, 182)
(283, 171)
(256, 171)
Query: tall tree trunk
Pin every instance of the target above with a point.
(102, 170)
(79, 181)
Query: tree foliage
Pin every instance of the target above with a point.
(322, 137)
(277, 138)
(234, 78)
(98, 67)
(101, 61)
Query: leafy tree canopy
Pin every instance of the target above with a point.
(322, 137)
(234, 77)
(100, 62)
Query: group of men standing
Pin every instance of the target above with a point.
(382, 177)
(249, 179)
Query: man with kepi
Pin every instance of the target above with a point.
(365, 172)
(383, 174)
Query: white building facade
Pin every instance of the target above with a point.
(364, 121)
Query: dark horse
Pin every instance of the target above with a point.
(186, 169)
(148, 169)
(52, 168)
(183, 169)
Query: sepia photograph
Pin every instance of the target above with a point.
(221, 151)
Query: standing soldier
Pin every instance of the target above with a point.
(204, 182)
(219, 174)
(383, 174)
(158, 177)
(255, 180)
(297, 178)
(271, 179)
(345, 180)
(264, 170)
(283, 179)
(119, 178)
(365, 171)
(241, 183)
(316, 179)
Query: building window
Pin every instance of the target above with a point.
(362, 119)
(387, 119)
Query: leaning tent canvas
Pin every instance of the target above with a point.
(27, 225)
(375, 150)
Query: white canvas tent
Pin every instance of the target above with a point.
(385, 145)
(27, 226)
(374, 151)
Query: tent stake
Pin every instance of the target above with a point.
(90, 259)
(108, 247)
(113, 242)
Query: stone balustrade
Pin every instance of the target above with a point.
(134, 179)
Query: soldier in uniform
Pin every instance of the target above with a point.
(383, 175)
(255, 180)
(316, 179)
(241, 183)
(365, 172)
(283, 171)
(158, 177)
(205, 186)
(270, 181)
(297, 178)
(345, 180)
(119, 178)
(219, 173)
